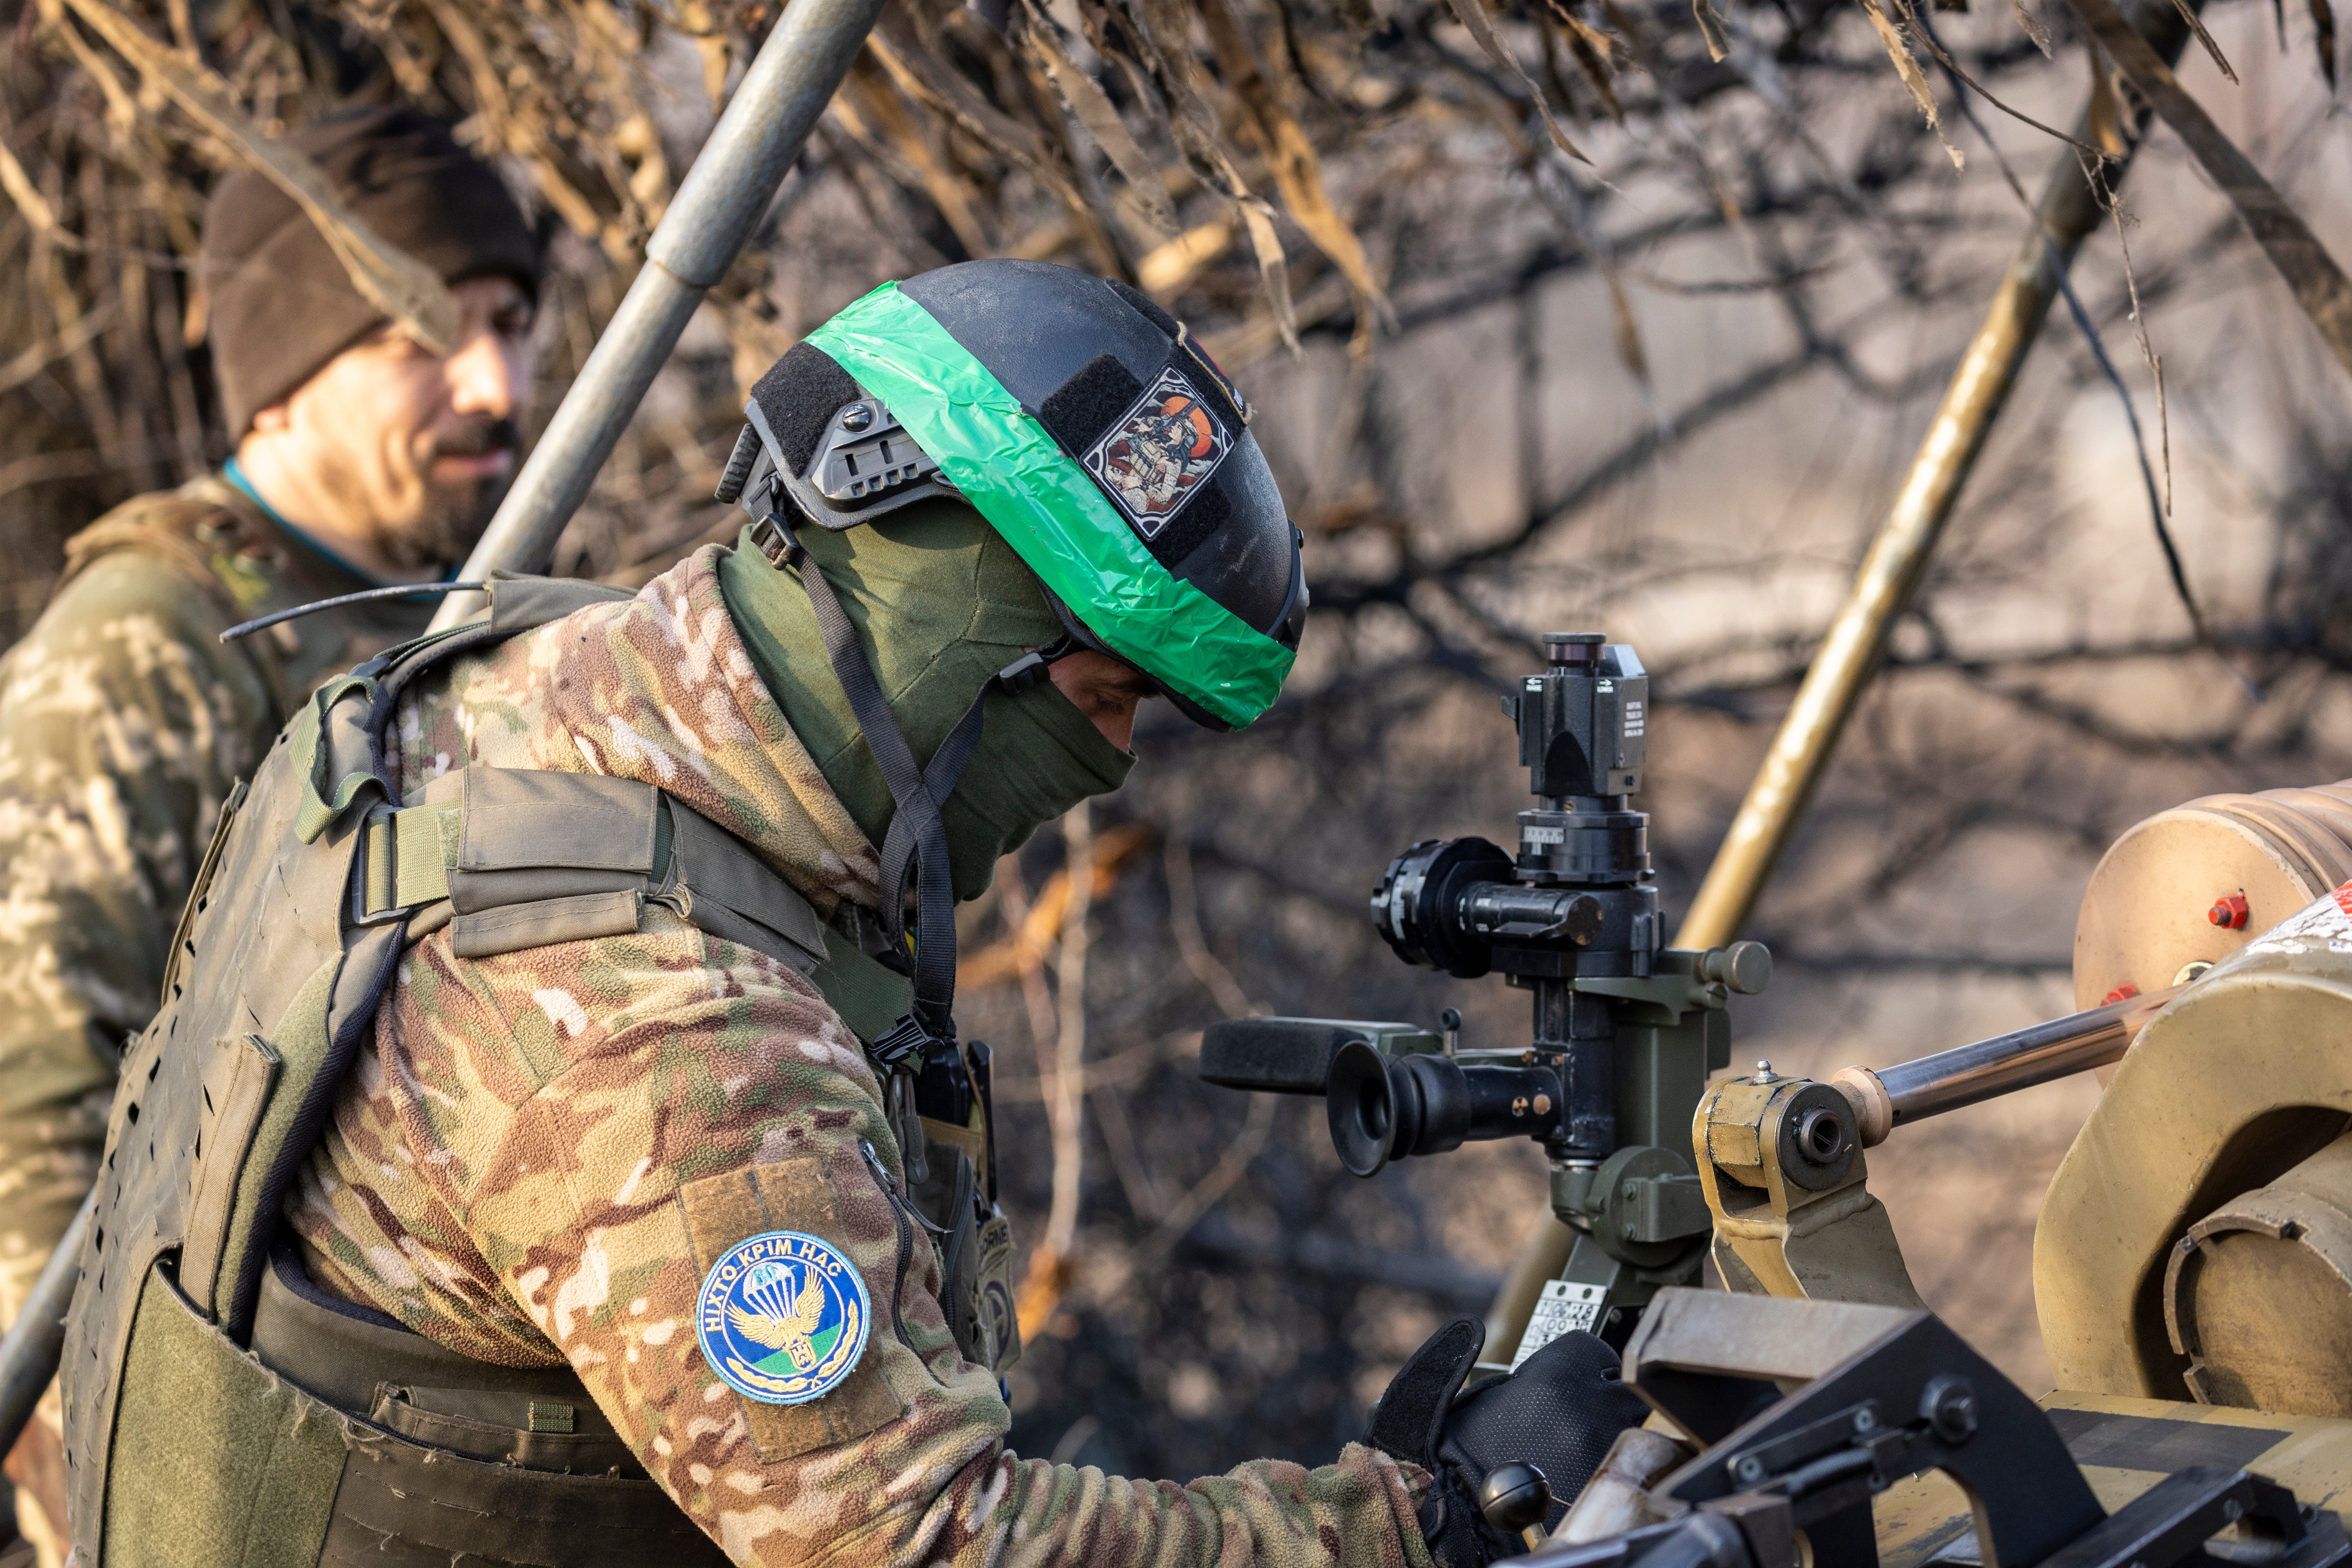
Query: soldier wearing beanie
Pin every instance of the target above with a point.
(361, 459)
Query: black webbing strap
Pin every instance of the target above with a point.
(917, 843)
(917, 846)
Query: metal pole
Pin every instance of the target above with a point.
(724, 194)
(28, 1355)
(1850, 654)
(1541, 1259)
(1967, 1075)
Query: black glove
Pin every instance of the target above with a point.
(1560, 1412)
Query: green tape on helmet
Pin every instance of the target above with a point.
(1047, 508)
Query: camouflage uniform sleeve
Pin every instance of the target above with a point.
(603, 1118)
(123, 725)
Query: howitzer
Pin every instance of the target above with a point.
(1625, 1030)
(2197, 1244)
(1804, 1433)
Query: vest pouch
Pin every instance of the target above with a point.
(569, 1437)
(462, 1460)
(945, 1197)
(404, 1504)
(239, 1467)
(216, 1462)
(996, 1318)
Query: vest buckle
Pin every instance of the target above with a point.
(908, 1039)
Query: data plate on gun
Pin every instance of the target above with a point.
(1562, 1308)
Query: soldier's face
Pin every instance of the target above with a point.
(413, 448)
(1104, 689)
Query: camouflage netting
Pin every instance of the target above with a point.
(1663, 392)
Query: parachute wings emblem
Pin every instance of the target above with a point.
(783, 1323)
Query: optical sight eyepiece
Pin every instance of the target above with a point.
(1385, 1107)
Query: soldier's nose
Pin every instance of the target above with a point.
(480, 379)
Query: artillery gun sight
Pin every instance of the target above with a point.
(1625, 1030)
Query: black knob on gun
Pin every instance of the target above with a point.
(1515, 1498)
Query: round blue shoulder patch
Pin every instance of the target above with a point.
(782, 1317)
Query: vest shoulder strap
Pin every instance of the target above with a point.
(510, 858)
(520, 603)
(336, 737)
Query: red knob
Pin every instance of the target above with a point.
(2123, 993)
(2229, 912)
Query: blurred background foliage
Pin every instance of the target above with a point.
(1560, 314)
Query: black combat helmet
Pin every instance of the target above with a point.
(1089, 427)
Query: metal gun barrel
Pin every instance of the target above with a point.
(1909, 1091)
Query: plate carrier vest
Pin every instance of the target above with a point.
(220, 1409)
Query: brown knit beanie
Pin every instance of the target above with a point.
(281, 305)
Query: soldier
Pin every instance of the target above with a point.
(557, 1147)
(360, 460)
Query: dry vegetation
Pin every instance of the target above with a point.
(1662, 385)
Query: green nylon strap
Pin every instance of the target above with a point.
(870, 998)
(409, 853)
(324, 799)
(1046, 507)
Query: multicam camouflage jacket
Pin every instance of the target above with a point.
(124, 723)
(540, 1156)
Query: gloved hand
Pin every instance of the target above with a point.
(1560, 1412)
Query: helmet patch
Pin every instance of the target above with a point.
(1159, 453)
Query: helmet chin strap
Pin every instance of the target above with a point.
(916, 848)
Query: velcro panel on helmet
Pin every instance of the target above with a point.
(1215, 389)
(1190, 529)
(799, 396)
(1089, 402)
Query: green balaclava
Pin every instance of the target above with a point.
(941, 604)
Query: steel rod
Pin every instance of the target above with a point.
(1890, 573)
(723, 197)
(1967, 1075)
(28, 1355)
